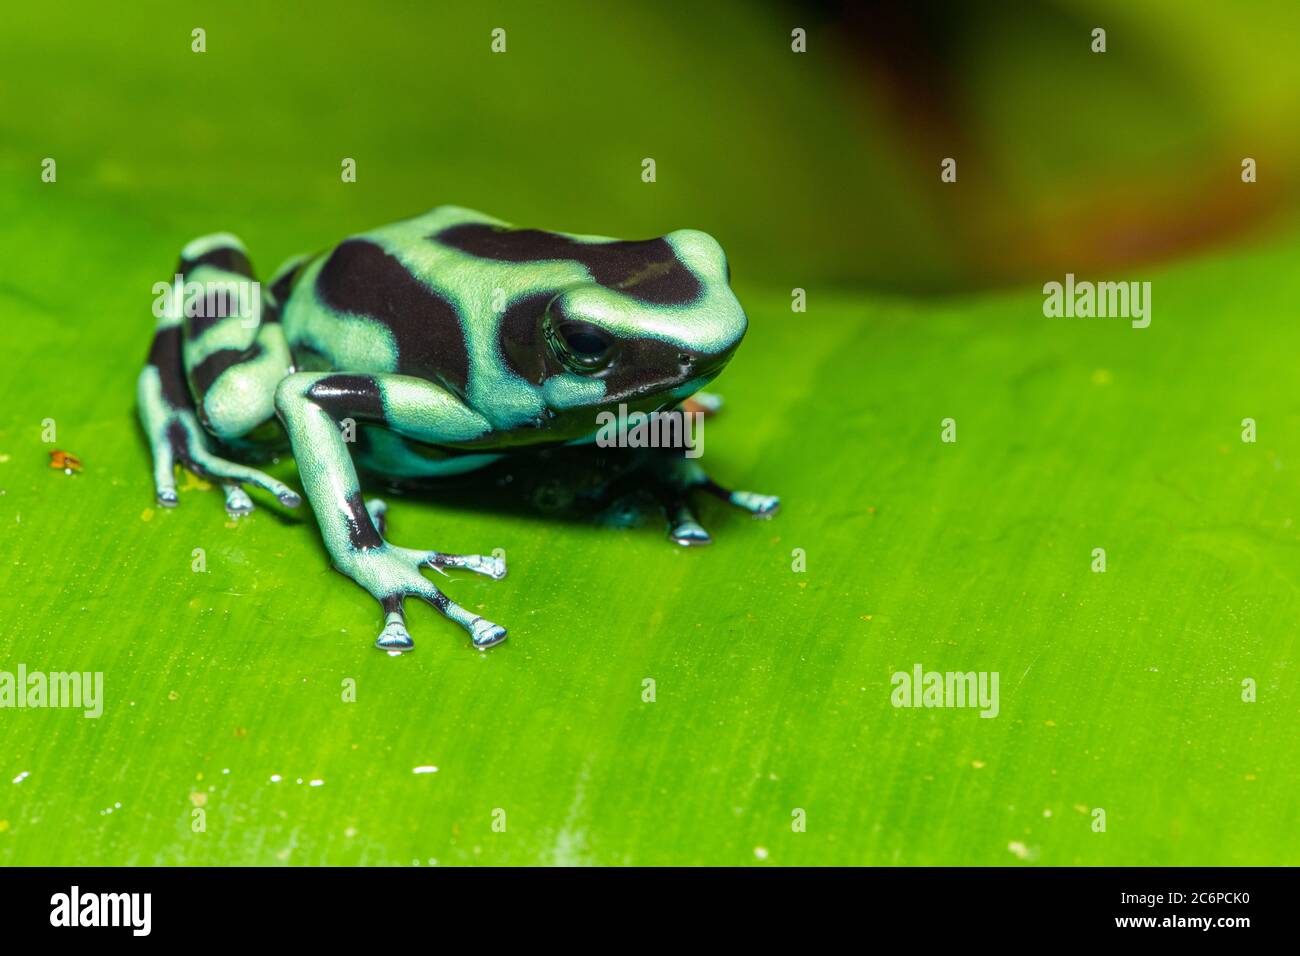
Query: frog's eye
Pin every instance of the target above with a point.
(580, 345)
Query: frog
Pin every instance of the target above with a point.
(426, 349)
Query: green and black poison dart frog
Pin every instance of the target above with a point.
(430, 348)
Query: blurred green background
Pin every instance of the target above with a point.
(818, 171)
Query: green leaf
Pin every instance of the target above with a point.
(1118, 690)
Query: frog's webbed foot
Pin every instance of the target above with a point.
(680, 476)
(181, 442)
(395, 574)
(392, 574)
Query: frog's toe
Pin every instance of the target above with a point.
(394, 638)
(760, 506)
(164, 469)
(237, 500)
(489, 565)
(232, 473)
(689, 534)
(283, 493)
(485, 634)
(683, 527)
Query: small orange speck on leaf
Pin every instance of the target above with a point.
(62, 461)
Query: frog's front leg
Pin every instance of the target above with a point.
(314, 408)
(678, 476)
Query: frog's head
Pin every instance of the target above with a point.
(656, 324)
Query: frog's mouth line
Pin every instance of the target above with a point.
(696, 371)
(659, 397)
(690, 387)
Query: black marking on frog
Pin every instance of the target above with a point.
(361, 530)
(218, 303)
(519, 337)
(165, 356)
(226, 258)
(179, 439)
(647, 270)
(283, 286)
(345, 395)
(361, 278)
(207, 371)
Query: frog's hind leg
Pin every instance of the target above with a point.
(217, 353)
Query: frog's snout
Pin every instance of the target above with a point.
(706, 365)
